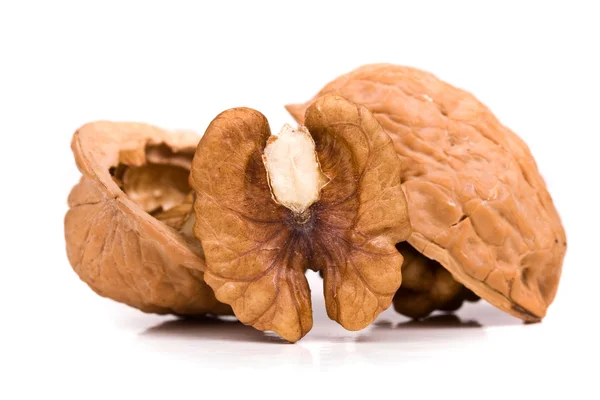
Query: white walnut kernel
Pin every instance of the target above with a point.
(293, 168)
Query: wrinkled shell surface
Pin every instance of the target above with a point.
(113, 244)
(257, 251)
(477, 202)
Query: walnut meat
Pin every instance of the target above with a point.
(477, 202)
(427, 286)
(128, 230)
(326, 196)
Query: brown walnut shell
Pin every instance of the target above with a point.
(114, 244)
(257, 251)
(477, 202)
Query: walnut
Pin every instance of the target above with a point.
(325, 196)
(427, 286)
(477, 202)
(128, 230)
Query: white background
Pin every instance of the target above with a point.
(177, 65)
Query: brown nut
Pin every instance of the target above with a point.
(326, 196)
(427, 286)
(477, 202)
(134, 177)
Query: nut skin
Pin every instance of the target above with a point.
(113, 245)
(477, 202)
(257, 251)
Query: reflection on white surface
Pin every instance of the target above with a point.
(392, 338)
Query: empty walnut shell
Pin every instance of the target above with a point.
(477, 202)
(135, 176)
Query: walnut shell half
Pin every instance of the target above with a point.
(134, 177)
(477, 202)
(326, 196)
